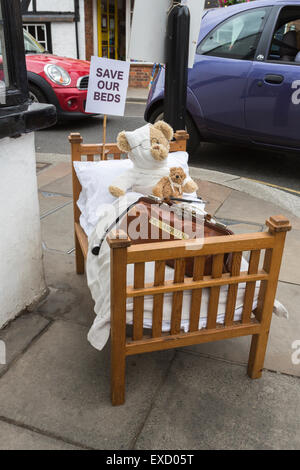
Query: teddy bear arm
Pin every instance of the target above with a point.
(121, 184)
(190, 186)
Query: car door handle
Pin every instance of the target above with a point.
(274, 79)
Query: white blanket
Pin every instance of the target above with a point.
(98, 276)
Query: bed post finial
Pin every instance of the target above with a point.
(278, 223)
(181, 135)
(75, 138)
(118, 239)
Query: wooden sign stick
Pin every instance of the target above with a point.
(104, 136)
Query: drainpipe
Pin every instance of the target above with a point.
(77, 18)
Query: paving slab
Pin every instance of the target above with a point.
(52, 172)
(69, 304)
(290, 268)
(19, 334)
(245, 208)
(288, 201)
(61, 385)
(208, 404)
(283, 333)
(214, 194)
(62, 186)
(50, 202)
(70, 297)
(58, 229)
(211, 175)
(17, 438)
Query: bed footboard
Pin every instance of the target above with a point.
(265, 250)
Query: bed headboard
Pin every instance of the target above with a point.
(111, 151)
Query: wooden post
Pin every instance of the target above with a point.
(75, 140)
(181, 138)
(104, 137)
(118, 242)
(278, 226)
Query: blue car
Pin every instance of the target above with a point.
(244, 87)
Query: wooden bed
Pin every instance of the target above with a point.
(266, 245)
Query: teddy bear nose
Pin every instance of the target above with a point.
(177, 176)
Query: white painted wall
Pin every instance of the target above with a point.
(81, 31)
(21, 269)
(55, 5)
(64, 39)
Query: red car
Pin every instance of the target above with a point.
(57, 80)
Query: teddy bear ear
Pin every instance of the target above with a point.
(165, 129)
(122, 142)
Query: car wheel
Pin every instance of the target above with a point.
(194, 139)
(36, 95)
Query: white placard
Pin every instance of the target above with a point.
(196, 8)
(108, 85)
(148, 30)
(149, 26)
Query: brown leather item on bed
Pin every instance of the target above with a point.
(148, 222)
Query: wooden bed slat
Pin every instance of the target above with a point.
(250, 286)
(138, 302)
(82, 239)
(199, 263)
(188, 248)
(177, 297)
(159, 278)
(189, 284)
(233, 288)
(217, 269)
(187, 339)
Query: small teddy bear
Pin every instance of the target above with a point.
(148, 148)
(174, 185)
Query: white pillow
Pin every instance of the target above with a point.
(96, 177)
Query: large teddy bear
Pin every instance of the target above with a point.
(148, 148)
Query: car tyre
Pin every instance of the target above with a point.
(194, 139)
(36, 95)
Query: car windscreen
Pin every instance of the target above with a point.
(31, 45)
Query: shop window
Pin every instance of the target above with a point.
(108, 29)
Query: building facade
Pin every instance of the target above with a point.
(82, 28)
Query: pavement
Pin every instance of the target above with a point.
(138, 95)
(55, 388)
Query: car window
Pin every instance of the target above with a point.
(285, 45)
(237, 37)
(31, 45)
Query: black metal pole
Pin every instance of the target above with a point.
(177, 51)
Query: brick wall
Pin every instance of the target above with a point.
(89, 29)
(140, 75)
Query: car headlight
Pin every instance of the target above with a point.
(57, 74)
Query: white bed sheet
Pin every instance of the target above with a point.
(98, 275)
(186, 302)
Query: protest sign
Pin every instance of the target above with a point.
(108, 83)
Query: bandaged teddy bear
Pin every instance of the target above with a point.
(147, 148)
(174, 185)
